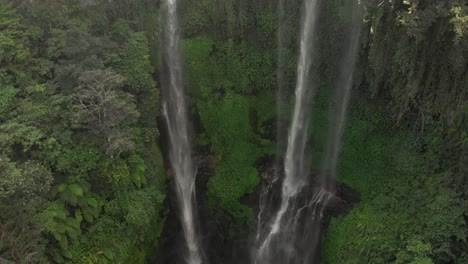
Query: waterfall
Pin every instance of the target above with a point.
(175, 113)
(295, 161)
(338, 112)
(267, 188)
(280, 98)
(293, 234)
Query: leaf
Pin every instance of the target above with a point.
(57, 235)
(88, 214)
(63, 241)
(76, 189)
(73, 200)
(58, 258)
(72, 232)
(137, 181)
(39, 88)
(66, 253)
(50, 213)
(74, 223)
(61, 214)
(61, 187)
(108, 253)
(92, 202)
(60, 228)
(78, 216)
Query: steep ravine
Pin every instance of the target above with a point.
(224, 240)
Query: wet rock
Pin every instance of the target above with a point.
(224, 240)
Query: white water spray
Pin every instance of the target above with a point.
(175, 113)
(343, 84)
(294, 232)
(295, 162)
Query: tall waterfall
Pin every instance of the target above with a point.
(266, 195)
(275, 246)
(175, 113)
(293, 234)
(343, 86)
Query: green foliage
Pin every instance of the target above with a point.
(101, 148)
(407, 213)
(75, 160)
(14, 51)
(23, 184)
(81, 52)
(64, 217)
(431, 232)
(121, 31)
(228, 113)
(137, 174)
(148, 149)
(195, 20)
(7, 100)
(417, 55)
(115, 171)
(363, 164)
(132, 58)
(219, 75)
(227, 125)
(65, 229)
(20, 240)
(27, 137)
(53, 128)
(240, 68)
(412, 185)
(264, 108)
(104, 110)
(267, 25)
(141, 206)
(107, 239)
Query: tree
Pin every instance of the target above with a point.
(14, 52)
(80, 52)
(103, 109)
(20, 240)
(22, 190)
(22, 184)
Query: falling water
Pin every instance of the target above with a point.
(267, 188)
(296, 161)
(343, 85)
(175, 113)
(280, 74)
(293, 235)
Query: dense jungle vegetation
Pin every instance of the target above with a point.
(82, 173)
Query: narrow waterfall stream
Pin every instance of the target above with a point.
(275, 243)
(343, 85)
(290, 231)
(266, 195)
(292, 234)
(233, 131)
(175, 113)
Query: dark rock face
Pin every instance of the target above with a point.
(344, 200)
(222, 239)
(340, 205)
(225, 241)
(310, 229)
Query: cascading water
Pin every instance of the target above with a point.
(293, 236)
(343, 86)
(280, 73)
(175, 113)
(267, 188)
(275, 246)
